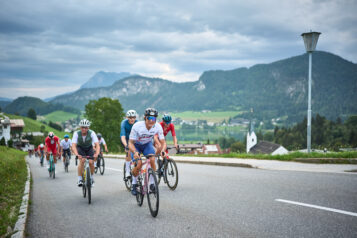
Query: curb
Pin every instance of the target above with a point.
(20, 225)
(195, 162)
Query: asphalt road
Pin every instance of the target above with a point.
(210, 201)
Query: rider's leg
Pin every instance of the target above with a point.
(91, 165)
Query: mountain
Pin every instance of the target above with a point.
(103, 79)
(278, 89)
(4, 102)
(21, 105)
(5, 99)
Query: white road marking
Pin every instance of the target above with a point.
(119, 170)
(318, 207)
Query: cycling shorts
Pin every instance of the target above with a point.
(145, 149)
(53, 149)
(85, 151)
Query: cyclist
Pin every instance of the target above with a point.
(51, 145)
(167, 127)
(125, 130)
(140, 141)
(102, 146)
(82, 146)
(40, 150)
(66, 145)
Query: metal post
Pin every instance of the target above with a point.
(309, 108)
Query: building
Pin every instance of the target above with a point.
(251, 137)
(266, 147)
(5, 128)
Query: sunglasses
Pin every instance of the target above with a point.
(132, 117)
(84, 127)
(151, 118)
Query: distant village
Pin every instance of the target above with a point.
(12, 130)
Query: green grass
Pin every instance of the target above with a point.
(59, 116)
(335, 158)
(35, 126)
(13, 175)
(209, 116)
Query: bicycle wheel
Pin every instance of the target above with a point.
(84, 190)
(153, 195)
(171, 174)
(53, 171)
(127, 181)
(88, 185)
(139, 194)
(158, 171)
(102, 165)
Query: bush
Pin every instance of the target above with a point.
(3, 142)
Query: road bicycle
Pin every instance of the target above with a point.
(52, 168)
(41, 158)
(168, 170)
(128, 180)
(147, 174)
(66, 162)
(100, 164)
(87, 180)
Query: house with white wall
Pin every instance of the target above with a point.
(5, 127)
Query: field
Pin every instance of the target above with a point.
(59, 116)
(209, 115)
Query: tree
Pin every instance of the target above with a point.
(31, 114)
(238, 147)
(105, 115)
(10, 143)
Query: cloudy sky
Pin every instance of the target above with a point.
(52, 47)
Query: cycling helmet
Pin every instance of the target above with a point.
(167, 118)
(66, 136)
(151, 112)
(51, 135)
(99, 135)
(131, 113)
(84, 123)
(41, 146)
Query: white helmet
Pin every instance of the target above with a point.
(131, 113)
(41, 146)
(84, 123)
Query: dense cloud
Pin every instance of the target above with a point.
(63, 43)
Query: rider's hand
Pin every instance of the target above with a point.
(79, 156)
(163, 153)
(136, 155)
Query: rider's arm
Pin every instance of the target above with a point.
(97, 149)
(175, 141)
(123, 141)
(133, 149)
(74, 149)
(163, 145)
(106, 148)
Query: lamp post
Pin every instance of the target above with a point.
(310, 41)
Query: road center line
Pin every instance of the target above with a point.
(318, 207)
(119, 170)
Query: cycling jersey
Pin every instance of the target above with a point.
(141, 135)
(101, 142)
(66, 144)
(51, 143)
(89, 139)
(125, 128)
(40, 149)
(170, 127)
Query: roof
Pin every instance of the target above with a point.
(17, 123)
(212, 148)
(264, 147)
(191, 146)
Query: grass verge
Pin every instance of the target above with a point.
(13, 173)
(333, 158)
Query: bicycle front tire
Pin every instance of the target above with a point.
(139, 194)
(88, 185)
(153, 197)
(171, 174)
(102, 165)
(127, 181)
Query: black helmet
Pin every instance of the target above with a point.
(99, 135)
(151, 112)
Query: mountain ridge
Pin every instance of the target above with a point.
(273, 90)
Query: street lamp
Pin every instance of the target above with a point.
(310, 41)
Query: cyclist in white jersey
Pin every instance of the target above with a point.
(66, 145)
(102, 145)
(140, 142)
